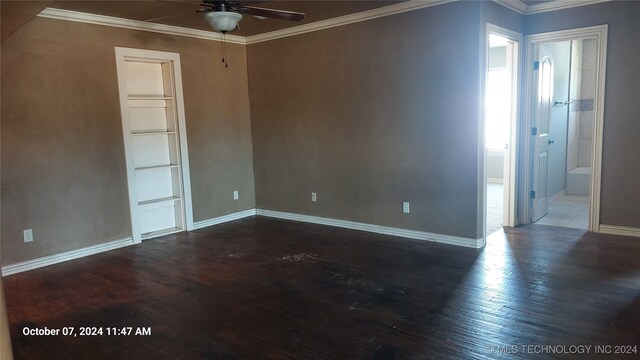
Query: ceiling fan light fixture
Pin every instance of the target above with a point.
(223, 21)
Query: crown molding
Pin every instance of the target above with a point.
(515, 5)
(346, 19)
(559, 5)
(524, 9)
(94, 19)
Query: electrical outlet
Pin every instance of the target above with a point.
(28, 235)
(405, 207)
(314, 197)
(236, 195)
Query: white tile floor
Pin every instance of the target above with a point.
(568, 211)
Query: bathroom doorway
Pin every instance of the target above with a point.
(564, 116)
(500, 122)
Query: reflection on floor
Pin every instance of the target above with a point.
(568, 211)
(494, 207)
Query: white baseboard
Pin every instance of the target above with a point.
(557, 196)
(223, 219)
(112, 245)
(619, 230)
(494, 181)
(412, 234)
(76, 254)
(65, 256)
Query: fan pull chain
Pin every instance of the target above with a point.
(224, 49)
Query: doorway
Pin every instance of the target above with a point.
(150, 86)
(500, 124)
(563, 133)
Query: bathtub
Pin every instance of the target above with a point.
(578, 181)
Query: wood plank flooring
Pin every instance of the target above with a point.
(262, 288)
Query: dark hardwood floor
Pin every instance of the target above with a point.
(262, 288)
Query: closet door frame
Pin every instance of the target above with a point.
(123, 54)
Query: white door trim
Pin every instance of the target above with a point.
(174, 58)
(511, 178)
(599, 33)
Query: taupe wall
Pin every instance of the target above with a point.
(5, 339)
(370, 115)
(621, 169)
(63, 168)
(367, 115)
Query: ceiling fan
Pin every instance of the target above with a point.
(223, 15)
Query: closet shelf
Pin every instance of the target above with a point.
(146, 133)
(148, 97)
(160, 200)
(157, 167)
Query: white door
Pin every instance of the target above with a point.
(508, 188)
(540, 132)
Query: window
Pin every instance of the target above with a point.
(497, 109)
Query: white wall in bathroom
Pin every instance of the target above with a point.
(581, 117)
(573, 133)
(561, 56)
(587, 91)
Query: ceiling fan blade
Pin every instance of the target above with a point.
(271, 13)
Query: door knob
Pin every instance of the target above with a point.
(551, 142)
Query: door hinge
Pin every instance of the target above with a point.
(532, 194)
(536, 65)
(534, 131)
